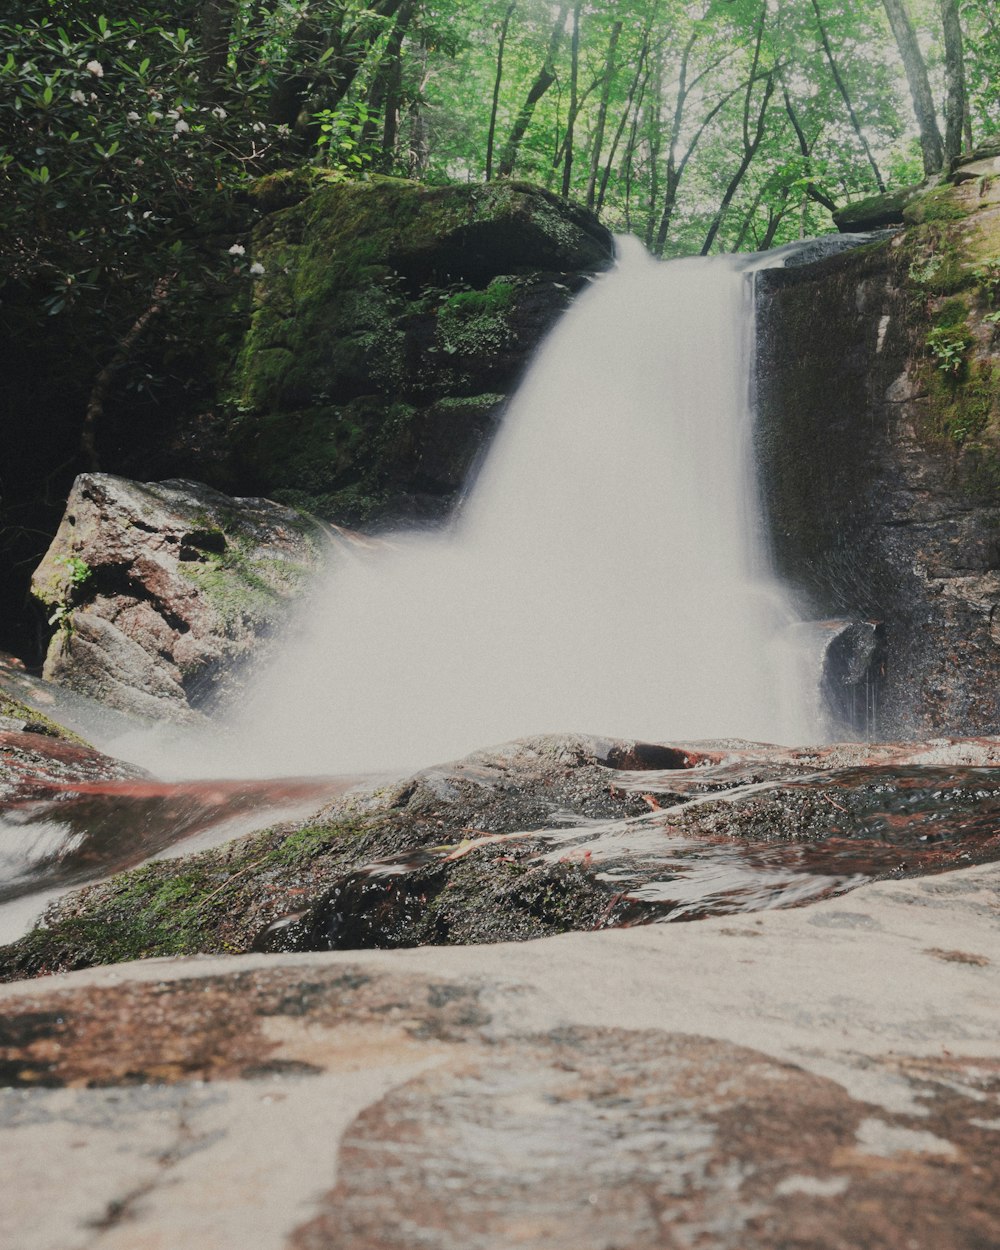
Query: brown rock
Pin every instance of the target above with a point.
(158, 589)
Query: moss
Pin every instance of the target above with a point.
(475, 323)
(35, 721)
(875, 212)
(953, 312)
(242, 587)
(213, 902)
(378, 293)
(942, 204)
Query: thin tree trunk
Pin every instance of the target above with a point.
(734, 183)
(491, 136)
(750, 143)
(102, 383)
(845, 96)
(654, 132)
(931, 145)
(637, 87)
(216, 21)
(574, 79)
(811, 189)
(543, 81)
(602, 112)
(955, 108)
(387, 87)
(676, 172)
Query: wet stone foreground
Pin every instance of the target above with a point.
(542, 836)
(815, 1063)
(825, 1077)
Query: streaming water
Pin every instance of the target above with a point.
(605, 573)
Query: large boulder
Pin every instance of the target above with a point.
(545, 835)
(390, 323)
(157, 590)
(879, 443)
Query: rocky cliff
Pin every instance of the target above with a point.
(879, 443)
(390, 323)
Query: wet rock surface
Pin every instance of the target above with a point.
(882, 491)
(390, 326)
(157, 590)
(826, 1076)
(543, 836)
(34, 766)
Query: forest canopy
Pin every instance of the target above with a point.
(128, 132)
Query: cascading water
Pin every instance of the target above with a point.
(605, 574)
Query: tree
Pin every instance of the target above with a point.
(931, 144)
(544, 79)
(956, 113)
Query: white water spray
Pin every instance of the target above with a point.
(605, 574)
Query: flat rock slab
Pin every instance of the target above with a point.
(824, 1077)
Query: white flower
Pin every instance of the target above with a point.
(180, 127)
(96, 68)
(257, 269)
(155, 116)
(237, 250)
(132, 117)
(258, 128)
(78, 97)
(220, 113)
(173, 114)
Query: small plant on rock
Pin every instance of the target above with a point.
(949, 346)
(77, 572)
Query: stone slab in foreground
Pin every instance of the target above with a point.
(823, 1077)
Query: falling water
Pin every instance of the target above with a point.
(605, 573)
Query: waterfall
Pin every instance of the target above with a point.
(605, 573)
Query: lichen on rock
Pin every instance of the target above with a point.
(157, 590)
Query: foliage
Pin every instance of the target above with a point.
(128, 135)
(949, 346)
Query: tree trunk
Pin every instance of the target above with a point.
(574, 81)
(491, 136)
(750, 143)
(290, 98)
(216, 22)
(636, 91)
(931, 145)
(811, 189)
(842, 88)
(386, 89)
(102, 383)
(543, 81)
(602, 112)
(955, 108)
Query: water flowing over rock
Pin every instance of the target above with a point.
(606, 569)
(391, 323)
(159, 589)
(542, 836)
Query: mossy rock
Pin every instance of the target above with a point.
(380, 300)
(20, 717)
(875, 212)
